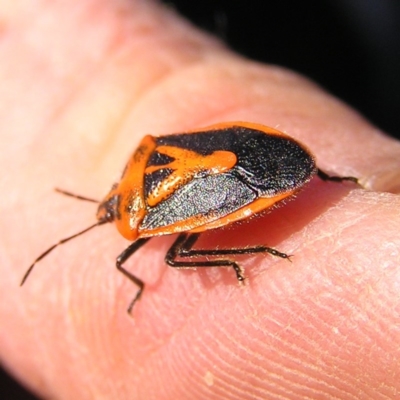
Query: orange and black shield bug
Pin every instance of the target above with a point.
(191, 182)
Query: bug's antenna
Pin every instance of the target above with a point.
(62, 241)
(76, 196)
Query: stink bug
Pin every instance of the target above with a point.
(192, 182)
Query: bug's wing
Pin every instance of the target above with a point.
(200, 201)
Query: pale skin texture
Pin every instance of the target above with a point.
(81, 83)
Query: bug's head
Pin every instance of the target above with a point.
(109, 208)
(124, 206)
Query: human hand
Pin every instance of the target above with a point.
(82, 82)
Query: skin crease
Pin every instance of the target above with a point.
(81, 83)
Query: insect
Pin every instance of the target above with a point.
(191, 182)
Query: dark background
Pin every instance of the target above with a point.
(351, 47)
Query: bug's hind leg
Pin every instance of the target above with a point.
(182, 247)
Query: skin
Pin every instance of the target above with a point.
(81, 83)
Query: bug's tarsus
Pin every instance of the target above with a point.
(120, 261)
(50, 249)
(182, 247)
(325, 177)
(76, 196)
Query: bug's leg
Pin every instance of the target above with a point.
(325, 177)
(182, 247)
(120, 261)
